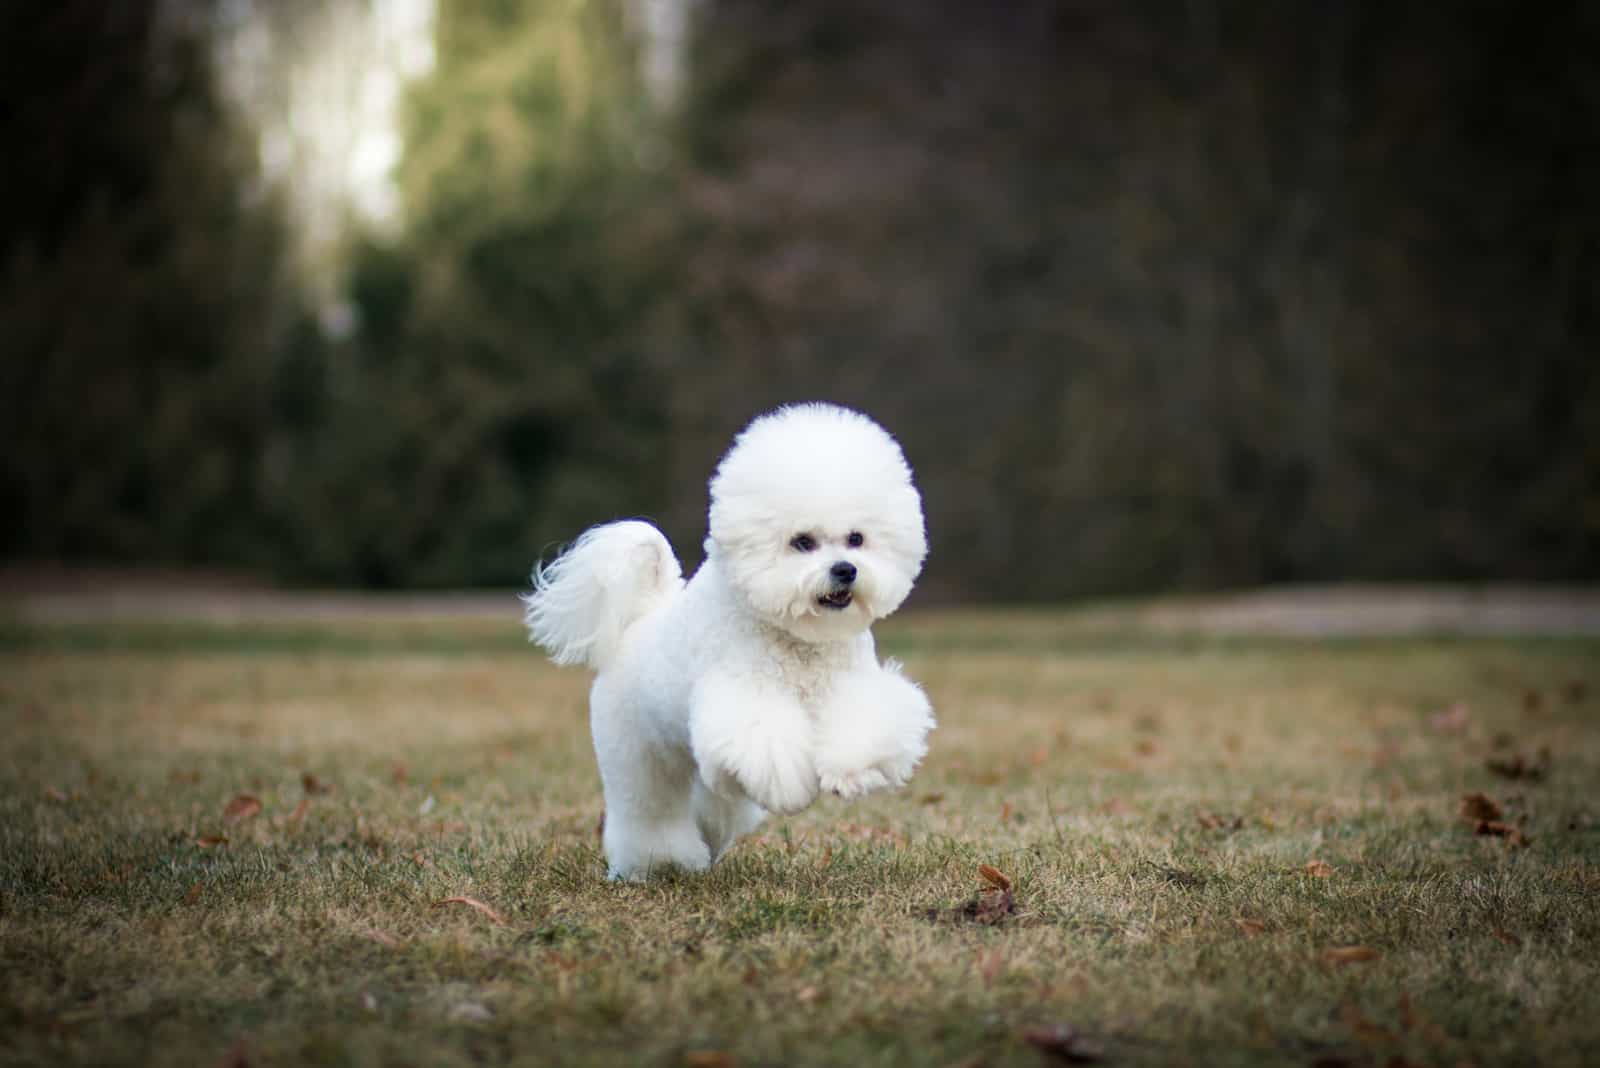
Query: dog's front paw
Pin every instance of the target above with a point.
(753, 745)
(852, 784)
(780, 780)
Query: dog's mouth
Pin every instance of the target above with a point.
(837, 600)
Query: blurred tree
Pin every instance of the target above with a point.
(140, 297)
(497, 396)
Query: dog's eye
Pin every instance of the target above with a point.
(803, 543)
(855, 540)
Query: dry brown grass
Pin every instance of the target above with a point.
(1245, 851)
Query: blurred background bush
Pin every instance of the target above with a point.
(1157, 296)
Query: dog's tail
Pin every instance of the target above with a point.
(585, 600)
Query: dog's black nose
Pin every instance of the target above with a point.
(844, 572)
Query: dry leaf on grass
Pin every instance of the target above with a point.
(383, 938)
(930, 799)
(1250, 928)
(990, 908)
(193, 894)
(1063, 1042)
(313, 785)
(211, 841)
(1362, 1029)
(994, 877)
(1350, 954)
(708, 1058)
(1479, 807)
(236, 1056)
(473, 903)
(300, 810)
(1178, 877)
(1517, 766)
(1450, 720)
(1319, 869)
(807, 994)
(1507, 937)
(243, 807)
(1495, 828)
(1412, 1020)
(1213, 822)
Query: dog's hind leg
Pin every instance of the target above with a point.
(723, 820)
(649, 795)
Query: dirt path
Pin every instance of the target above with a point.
(1308, 611)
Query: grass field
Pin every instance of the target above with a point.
(241, 845)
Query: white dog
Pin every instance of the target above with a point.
(754, 686)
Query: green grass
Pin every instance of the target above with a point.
(1156, 802)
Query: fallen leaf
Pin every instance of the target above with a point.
(1063, 1042)
(807, 994)
(1005, 812)
(1517, 766)
(1319, 869)
(1250, 928)
(930, 799)
(1362, 1029)
(1495, 828)
(708, 1058)
(994, 877)
(1350, 954)
(1145, 747)
(474, 903)
(1412, 1020)
(1213, 822)
(1178, 877)
(193, 895)
(236, 1056)
(989, 908)
(1507, 937)
(53, 794)
(243, 807)
(1479, 807)
(1451, 719)
(399, 774)
(313, 785)
(211, 841)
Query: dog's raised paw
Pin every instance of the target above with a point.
(852, 784)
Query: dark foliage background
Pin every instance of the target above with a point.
(1156, 296)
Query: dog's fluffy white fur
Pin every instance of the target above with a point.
(754, 686)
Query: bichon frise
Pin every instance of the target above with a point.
(755, 685)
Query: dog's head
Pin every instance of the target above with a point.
(816, 522)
